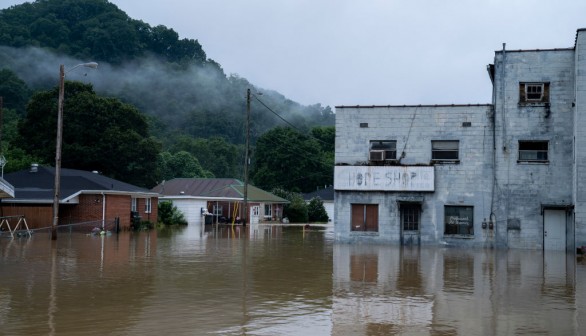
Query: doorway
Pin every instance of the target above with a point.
(554, 230)
(410, 223)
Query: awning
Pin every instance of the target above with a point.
(556, 206)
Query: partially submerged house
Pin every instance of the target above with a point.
(507, 174)
(85, 197)
(217, 200)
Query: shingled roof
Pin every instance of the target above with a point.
(325, 194)
(37, 184)
(217, 188)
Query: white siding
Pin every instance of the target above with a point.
(191, 208)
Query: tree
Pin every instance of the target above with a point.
(180, 164)
(316, 211)
(99, 133)
(14, 91)
(296, 210)
(285, 158)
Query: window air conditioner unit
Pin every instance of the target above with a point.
(377, 155)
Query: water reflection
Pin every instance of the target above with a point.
(273, 280)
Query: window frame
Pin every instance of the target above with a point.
(435, 151)
(268, 206)
(524, 159)
(379, 145)
(133, 204)
(453, 227)
(525, 92)
(147, 205)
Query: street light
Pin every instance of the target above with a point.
(62, 73)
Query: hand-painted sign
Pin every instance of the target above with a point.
(384, 178)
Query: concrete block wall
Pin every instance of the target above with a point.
(580, 138)
(467, 183)
(525, 186)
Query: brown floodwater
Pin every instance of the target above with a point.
(270, 280)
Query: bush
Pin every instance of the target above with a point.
(316, 211)
(170, 215)
(296, 211)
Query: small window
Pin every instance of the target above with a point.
(133, 204)
(364, 217)
(534, 92)
(268, 211)
(533, 151)
(459, 220)
(383, 150)
(147, 205)
(445, 151)
(218, 210)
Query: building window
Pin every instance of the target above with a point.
(133, 203)
(445, 150)
(147, 205)
(459, 220)
(533, 151)
(410, 216)
(383, 150)
(365, 217)
(534, 92)
(268, 211)
(218, 210)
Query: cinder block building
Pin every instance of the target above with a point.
(510, 174)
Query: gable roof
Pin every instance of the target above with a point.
(37, 184)
(326, 194)
(217, 188)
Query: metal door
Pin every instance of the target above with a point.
(554, 230)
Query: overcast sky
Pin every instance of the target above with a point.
(367, 52)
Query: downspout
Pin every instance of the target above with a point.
(103, 210)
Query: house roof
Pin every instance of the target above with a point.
(326, 194)
(37, 185)
(217, 188)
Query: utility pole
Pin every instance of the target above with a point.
(246, 158)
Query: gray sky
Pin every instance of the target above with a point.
(369, 52)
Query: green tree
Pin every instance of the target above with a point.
(296, 210)
(169, 214)
(180, 164)
(215, 154)
(316, 211)
(99, 133)
(14, 91)
(285, 158)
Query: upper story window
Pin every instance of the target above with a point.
(533, 92)
(533, 151)
(383, 150)
(445, 150)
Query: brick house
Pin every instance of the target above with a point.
(85, 197)
(508, 174)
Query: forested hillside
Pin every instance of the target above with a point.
(193, 109)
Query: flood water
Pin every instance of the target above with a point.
(269, 280)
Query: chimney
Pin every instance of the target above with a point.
(34, 167)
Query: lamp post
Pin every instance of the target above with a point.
(62, 73)
(246, 158)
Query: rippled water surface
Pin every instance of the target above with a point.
(268, 280)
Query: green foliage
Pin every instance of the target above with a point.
(285, 158)
(296, 210)
(14, 91)
(93, 29)
(220, 157)
(170, 215)
(316, 211)
(99, 133)
(180, 164)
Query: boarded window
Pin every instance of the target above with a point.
(445, 150)
(533, 92)
(365, 217)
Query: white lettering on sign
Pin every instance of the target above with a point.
(386, 178)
